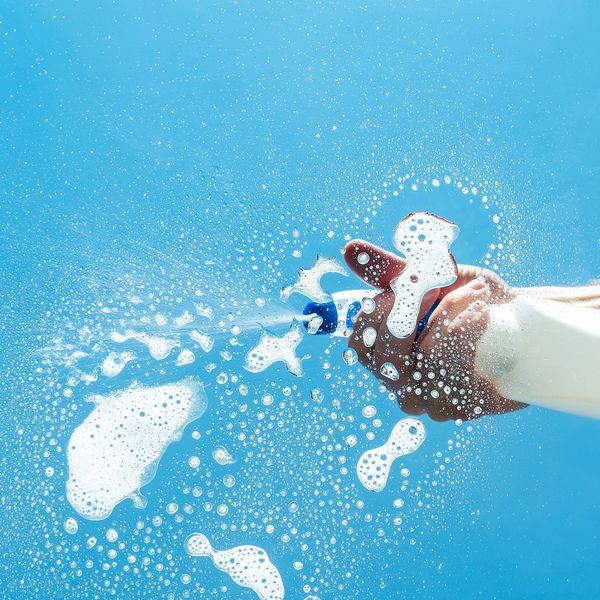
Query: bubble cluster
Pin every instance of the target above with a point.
(205, 341)
(373, 467)
(116, 449)
(292, 490)
(159, 347)
(248, 566)
(309, 280)
(272, 348)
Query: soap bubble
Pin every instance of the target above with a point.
(369, 336)
(111, 535)
(369, 411)
(194, 462)
(71, 526)
(350, 357)
(368, 305)
(222, 456)
(389, 370)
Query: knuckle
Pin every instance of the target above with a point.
(448, 302)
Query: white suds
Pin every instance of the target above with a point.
(373, 467)
(248, 566)
(117, 448)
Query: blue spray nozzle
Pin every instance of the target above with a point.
(327, 311)
(336, 317)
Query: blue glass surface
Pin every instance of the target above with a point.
(158, 155)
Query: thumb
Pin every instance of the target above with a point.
(375, 266)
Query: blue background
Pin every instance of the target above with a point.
(175, 146)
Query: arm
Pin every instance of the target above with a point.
(445, 351)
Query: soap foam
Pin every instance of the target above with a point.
(248, 566)
(115, 362)
(117, 448)
(222, 456)
(373, 468)
(309, 280)
(159, 347)
(424, 239)
(272, 348)
(203, 340)
(185, 357)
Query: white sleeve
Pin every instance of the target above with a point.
(545, 353)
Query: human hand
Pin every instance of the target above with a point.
(437, 372)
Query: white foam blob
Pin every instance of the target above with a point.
(185, 318)
(271, 349)
(74, 357)
(185, 357)
(115, 362)
(373, 467)
(248, 566)
(204, 310)
(369, 335)
(309, 280)
(389, 370)
(203, 340)
(160, 319)
(159, 347)
(313, 324)
(424, 239)
(117, 448)
(222, 456)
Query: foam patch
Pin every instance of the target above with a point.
(309, 280)
(373, 467)
(115, 362)
(203, 340)
(272, 348)
(159, 347)
(424, 239)
(117, 448)
(248, 566)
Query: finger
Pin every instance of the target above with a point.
(472, 321)
(360, 337)
(454, 303)
(439, 412)
(411, 408)
(392, 348)
(465, 274)
(372, 264)
(372, 327)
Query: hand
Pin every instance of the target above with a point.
(437, 373)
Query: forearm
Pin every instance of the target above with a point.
(586, 295)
